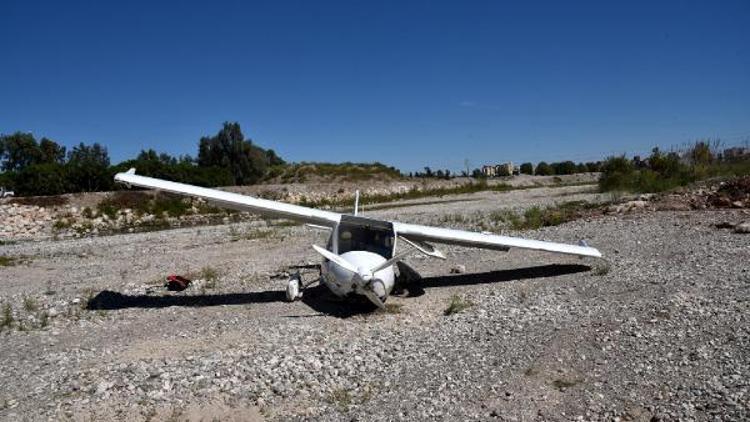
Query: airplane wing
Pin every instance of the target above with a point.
(235, 200)
(416, 232)
(416, 235)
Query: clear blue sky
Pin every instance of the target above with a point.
(406, 83)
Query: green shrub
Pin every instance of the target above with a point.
(668, 171)
(458, 304)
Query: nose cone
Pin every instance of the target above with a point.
(379, 289)
(365, 261)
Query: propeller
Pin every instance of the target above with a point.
(363, 277)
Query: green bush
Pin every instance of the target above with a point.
(668, 171)
(142, 202)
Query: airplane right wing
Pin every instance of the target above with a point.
(416, 232)
(234, 200)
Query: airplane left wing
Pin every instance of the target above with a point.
(234, 200)
(416, 232)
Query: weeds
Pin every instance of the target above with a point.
(88, 300)
(536, 217)
(340, 397)
(210, 275)
(566, 382)
(61, 224)
(43, 318)
(392, 308)
(458, 304)
(7, 261)
(601, 269)
(7, 317)
(249, 234)
(505, 216)
(29, 304)
(143, 203)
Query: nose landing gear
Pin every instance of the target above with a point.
(293, 287)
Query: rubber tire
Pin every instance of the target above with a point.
(292, 290)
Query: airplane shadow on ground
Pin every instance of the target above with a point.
(320, 299)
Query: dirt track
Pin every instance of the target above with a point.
(660, 329)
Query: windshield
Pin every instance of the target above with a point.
(361, 238)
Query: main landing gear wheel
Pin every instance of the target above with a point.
(293, 289)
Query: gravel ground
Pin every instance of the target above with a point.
(657, 331)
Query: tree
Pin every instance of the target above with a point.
(246, 162)
(42, 179)
(565, 167)
(18, 151)
(51, 152)
(592, 167)
(88, 168)
(527, 168)
(503, 170)
(428, 172)
(273, 159)
(617, 174)
(543, 169)
(701, 154)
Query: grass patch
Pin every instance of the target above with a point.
(6, 320)
(566, 382)
(536, 216)
(601, 269)
(61, 224)
(458, 304)
(210, 275)
(249, 234)
(392, 308)
(7, 261)
(43, 318)
(340, 397)
(506, 216)
(143, 203)
(29, 304)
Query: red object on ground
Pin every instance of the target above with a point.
(177, 283)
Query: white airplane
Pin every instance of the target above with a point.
(361, 252)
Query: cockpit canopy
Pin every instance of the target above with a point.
(364, 234)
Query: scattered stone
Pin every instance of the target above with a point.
(458, 269)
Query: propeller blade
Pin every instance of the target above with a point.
(372, 297)
(341, 262)
(387, 264)
(391, 261)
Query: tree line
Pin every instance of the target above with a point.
(663, 171)
(541, 169)
(44, 167)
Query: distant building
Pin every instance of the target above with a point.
(505, 169)
(489, 171)
(736, 152)
(496, 170)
